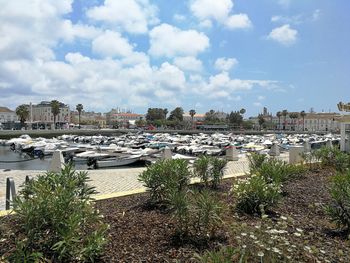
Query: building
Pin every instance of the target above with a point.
(322, 122)
(7, 115)
(122, 119)
(42, 117)
(86, 117)
(327, 122)
(7, 118)
(196, 118)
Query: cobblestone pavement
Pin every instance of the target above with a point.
(111, 180)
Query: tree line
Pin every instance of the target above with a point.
(159, 118)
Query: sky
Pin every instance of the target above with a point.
(197, 54)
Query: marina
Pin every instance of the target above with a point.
(140, 149)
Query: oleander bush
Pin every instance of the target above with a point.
(55, 220)
(218, 167)
(332, 157)
(256, 160)
(197, 214)
(164, 177)
(255, 195)
(201, 169)
(206, 213)
(210, 170)
(339, 208)
(223, 255)
(278, 171)
(181, 209)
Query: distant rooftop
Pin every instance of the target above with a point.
(5, 109)
(127, 114)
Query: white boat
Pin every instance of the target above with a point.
(115, 162)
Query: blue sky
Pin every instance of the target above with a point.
(198, 54)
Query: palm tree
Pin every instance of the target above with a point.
(284, 114)
(22, 112)
(279, 115)
(55, 110)
(293, 116)
(192, 113)
(242, 111)
(79, 108)
(261, 120)
(303, 114)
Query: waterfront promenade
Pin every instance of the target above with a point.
(111, 181)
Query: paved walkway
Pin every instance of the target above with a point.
(111, 180)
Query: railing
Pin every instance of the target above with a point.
(11, 190)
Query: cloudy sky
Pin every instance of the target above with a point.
(200, 54)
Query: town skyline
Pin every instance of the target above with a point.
(198, 54)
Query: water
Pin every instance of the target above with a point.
(23, 161)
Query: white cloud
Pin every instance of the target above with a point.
(284, 35)
(209, 9)
(179, 18)
(39, 26)
(284, 3)
(31, 33)
(111, 44)
(296, 20)
(170, 77)
(133, 16)
(261, 98)
(188, 63)
(316, 14)
(221, 84)
(239, 21)
(219, 11)
(257, 104)
(206, 24)
(170, 41)
(225, 64)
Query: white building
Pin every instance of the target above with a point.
(41, 113)
(328, 122)
(7, 115)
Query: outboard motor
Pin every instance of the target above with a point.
(92, 162)
(38, 153)
(13, 146)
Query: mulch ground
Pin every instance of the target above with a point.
(140, 232)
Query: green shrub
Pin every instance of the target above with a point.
(56, 220)
(209, 170)
(201, 168)
(217, 171)
(224, 255)
(278, 171)
(333, 157)
(256, 160)
(339, 209)
(164, 177)
(180, 206)
(342, 162)
(254, 195)
(196, 213)
(206, 213)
